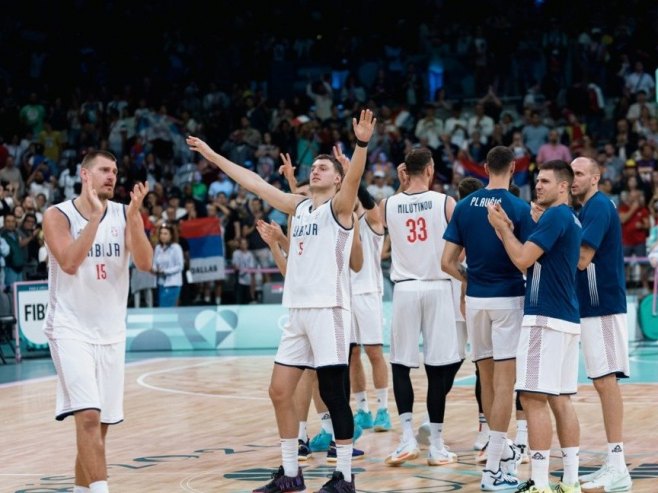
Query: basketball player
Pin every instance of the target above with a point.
(422, 304)
(317, 292)
(307, 387)
(547, 355)
(90, 240)
(604, 335)
(494, 304)
(367, 318)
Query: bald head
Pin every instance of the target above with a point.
(586, 178)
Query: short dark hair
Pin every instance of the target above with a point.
(468, 185)
(562, 170)
(417, 160)
(499, 159)
(87, 161)
(337, 166)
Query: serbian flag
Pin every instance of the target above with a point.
(471, 168)
(206, 248)
(522, 171)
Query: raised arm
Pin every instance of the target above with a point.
(288, 171)
(136, 239)
(285, 202)
(343, 202)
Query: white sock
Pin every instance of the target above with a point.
(436, 435)
(344, 460)
(382, 398)
(570, 462)
(539, 460)
(80, 489)
(302, 434)
(497, 442)
(99, 487)
(325, 422)
(616, 456)
(483, 425)
(289, 457)
(361, 399)
(521, 432)
(406, 420)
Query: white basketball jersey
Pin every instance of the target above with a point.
(416, 223)
(370, 278)
(318, 271)
(91, 304)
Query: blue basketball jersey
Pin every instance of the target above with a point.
(551, 281)
(490, 271)
(602, 286)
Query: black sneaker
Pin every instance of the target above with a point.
(337, 484)
(331, 453)
(282, 484)
(303, 450)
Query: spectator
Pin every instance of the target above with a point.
(634, 216)
(168, 266)
(244, 263)
(535, 134)
(639, 80)
(17, 258)
(379, 189)
(553, 150)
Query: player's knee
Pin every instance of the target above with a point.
(605, 383)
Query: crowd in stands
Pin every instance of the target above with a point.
(548, 86)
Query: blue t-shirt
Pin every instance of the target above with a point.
(551, 281)
(490, 272)
(602, 286)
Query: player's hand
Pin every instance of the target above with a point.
(342, 158)
(287, 169)
(536, 211)
(137, 195)
(198, 145)
(364, 128)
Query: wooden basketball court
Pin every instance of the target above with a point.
(205, 425)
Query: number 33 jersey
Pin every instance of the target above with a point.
(90, 305)
(416, 223)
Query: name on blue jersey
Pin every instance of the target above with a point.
(105, 250)
(414, 207)
(310, 229)
(484, 201)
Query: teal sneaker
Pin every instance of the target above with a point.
(358, 431)
(320, 442)
(382, 420)
(363, 419)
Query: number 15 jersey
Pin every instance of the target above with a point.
(90, 305)
(416, 223)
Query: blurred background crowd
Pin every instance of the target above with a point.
(549, 79)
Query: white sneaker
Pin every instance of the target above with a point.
(481, 439)
(423, 435)
(586, 478)
(440, 456)
(497, 481)
(406, 451)
(510, 464)
(611, 480)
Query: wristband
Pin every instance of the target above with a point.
(361, 143)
